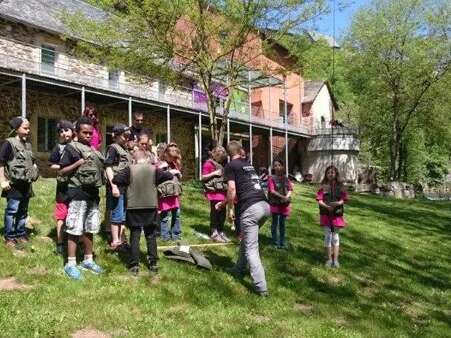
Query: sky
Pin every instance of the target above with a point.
(343, 18)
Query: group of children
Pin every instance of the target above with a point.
(330, 197)
(142, 193)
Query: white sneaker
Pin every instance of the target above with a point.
(215, 237)
(336, 264)
(329, 263)
(224, 237)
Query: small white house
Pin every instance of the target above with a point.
(337, 146)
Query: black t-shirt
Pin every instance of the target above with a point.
(61, 187)
(248, 188)
(20, 189)
(70, 156)
(112, 158)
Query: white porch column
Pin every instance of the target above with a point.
(83, 100)
(24, 96)
(168, 124)
(286, 123)
(269, 117)
(130, 109)
(270, 147)
(200, 145)
(228, 130)
(250, 116)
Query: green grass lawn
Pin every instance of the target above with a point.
(394, 280)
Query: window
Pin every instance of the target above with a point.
(306, 109)
(257, 108)
(162, 87)
(47, 134)
(282, 110)
(48, 58)
(113, 78)
(161, 138)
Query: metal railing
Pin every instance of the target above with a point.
(337, 131)
(180, 96)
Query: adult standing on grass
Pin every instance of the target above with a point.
(243, 184)
(84, 167)
(17, 171)
(141, 179)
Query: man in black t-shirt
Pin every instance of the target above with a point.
(243, 185)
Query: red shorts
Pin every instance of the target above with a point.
(60, 212)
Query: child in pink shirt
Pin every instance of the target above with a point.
(215, 192)
(96, 139)
(169, 206)
(331, 198)
(279, 193)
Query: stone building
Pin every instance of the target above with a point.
(42, 79)
(338, 146)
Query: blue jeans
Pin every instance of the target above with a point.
(16, 214)
(116, 205)
(278, 223)
(175, 230)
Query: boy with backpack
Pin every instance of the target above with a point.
(65, 135)
(140, 180)
(84, 168)
(17, 172)
(117, 158)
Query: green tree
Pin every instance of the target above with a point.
(398, 62)
(212, 41)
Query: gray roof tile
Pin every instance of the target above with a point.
(311, 90)
(46, 14)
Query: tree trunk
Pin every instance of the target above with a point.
(395, 135)
(225, 114)
(401, 161)
(394, 153)
(404, 162)
(211, 105)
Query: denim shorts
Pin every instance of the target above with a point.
(116, 206)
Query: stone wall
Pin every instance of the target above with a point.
(182, 133)
(20, 50)
(323, 150)
(48, 104)
(260, 151)
(315, 163)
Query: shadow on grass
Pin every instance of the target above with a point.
(223, 263)
(416, 217)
